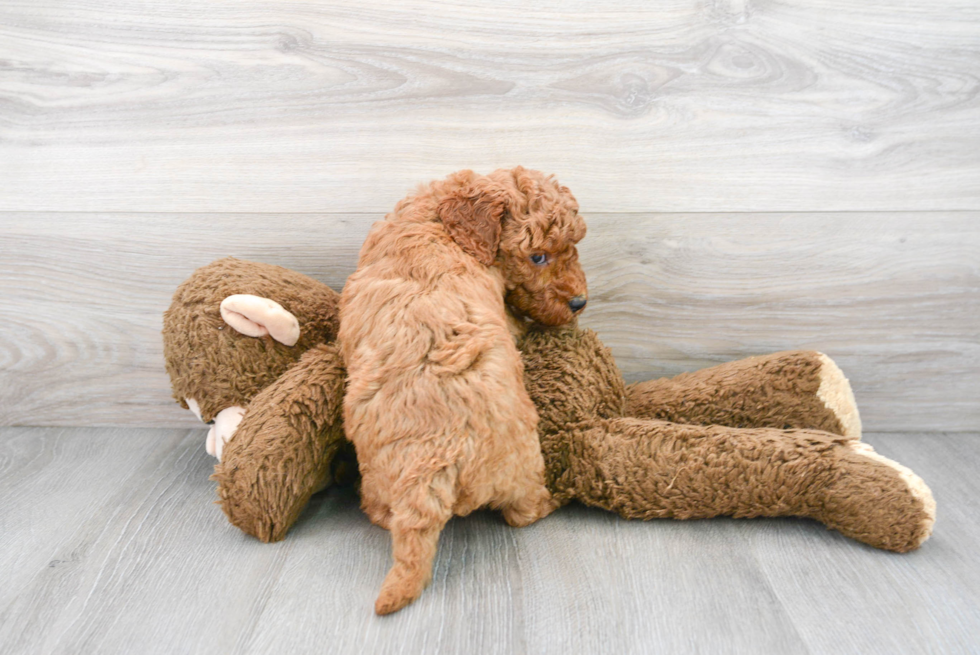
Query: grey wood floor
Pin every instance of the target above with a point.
(109, 543)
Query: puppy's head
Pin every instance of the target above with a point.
(527, 224)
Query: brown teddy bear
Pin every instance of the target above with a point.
(775, 435)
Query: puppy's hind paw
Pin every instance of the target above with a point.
(520, 515)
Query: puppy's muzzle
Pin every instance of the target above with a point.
(577, 303)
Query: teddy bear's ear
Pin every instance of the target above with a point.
(472, 215)
(255, 316)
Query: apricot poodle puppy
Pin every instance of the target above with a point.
(436, 405)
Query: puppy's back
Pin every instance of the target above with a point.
(416, 314)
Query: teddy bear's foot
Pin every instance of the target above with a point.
(225, 424)
(255, 316)
(878, 501)
(836, 394)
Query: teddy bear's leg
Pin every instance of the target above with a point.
(284, 446)
(648, 469)
(793, 389)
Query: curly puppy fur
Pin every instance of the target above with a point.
(436, 405)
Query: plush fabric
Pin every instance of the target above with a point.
(212, 364)
(778, 391)
(779, 454)
(599, 452)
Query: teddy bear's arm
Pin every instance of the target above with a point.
(792, 389)
(646, 469)
(284, 447)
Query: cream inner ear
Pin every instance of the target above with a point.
(255, 316)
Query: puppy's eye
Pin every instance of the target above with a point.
(539, 259)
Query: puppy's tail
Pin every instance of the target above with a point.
(414, 552)
(419, 516)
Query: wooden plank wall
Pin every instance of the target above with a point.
(756, 175)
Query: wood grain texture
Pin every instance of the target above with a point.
(110, 544)
(916, 595)
(894, 299)
(149, 566)
(685, 105)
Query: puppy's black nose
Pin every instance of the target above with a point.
(577, 303)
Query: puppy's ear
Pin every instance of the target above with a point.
(472, 217)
